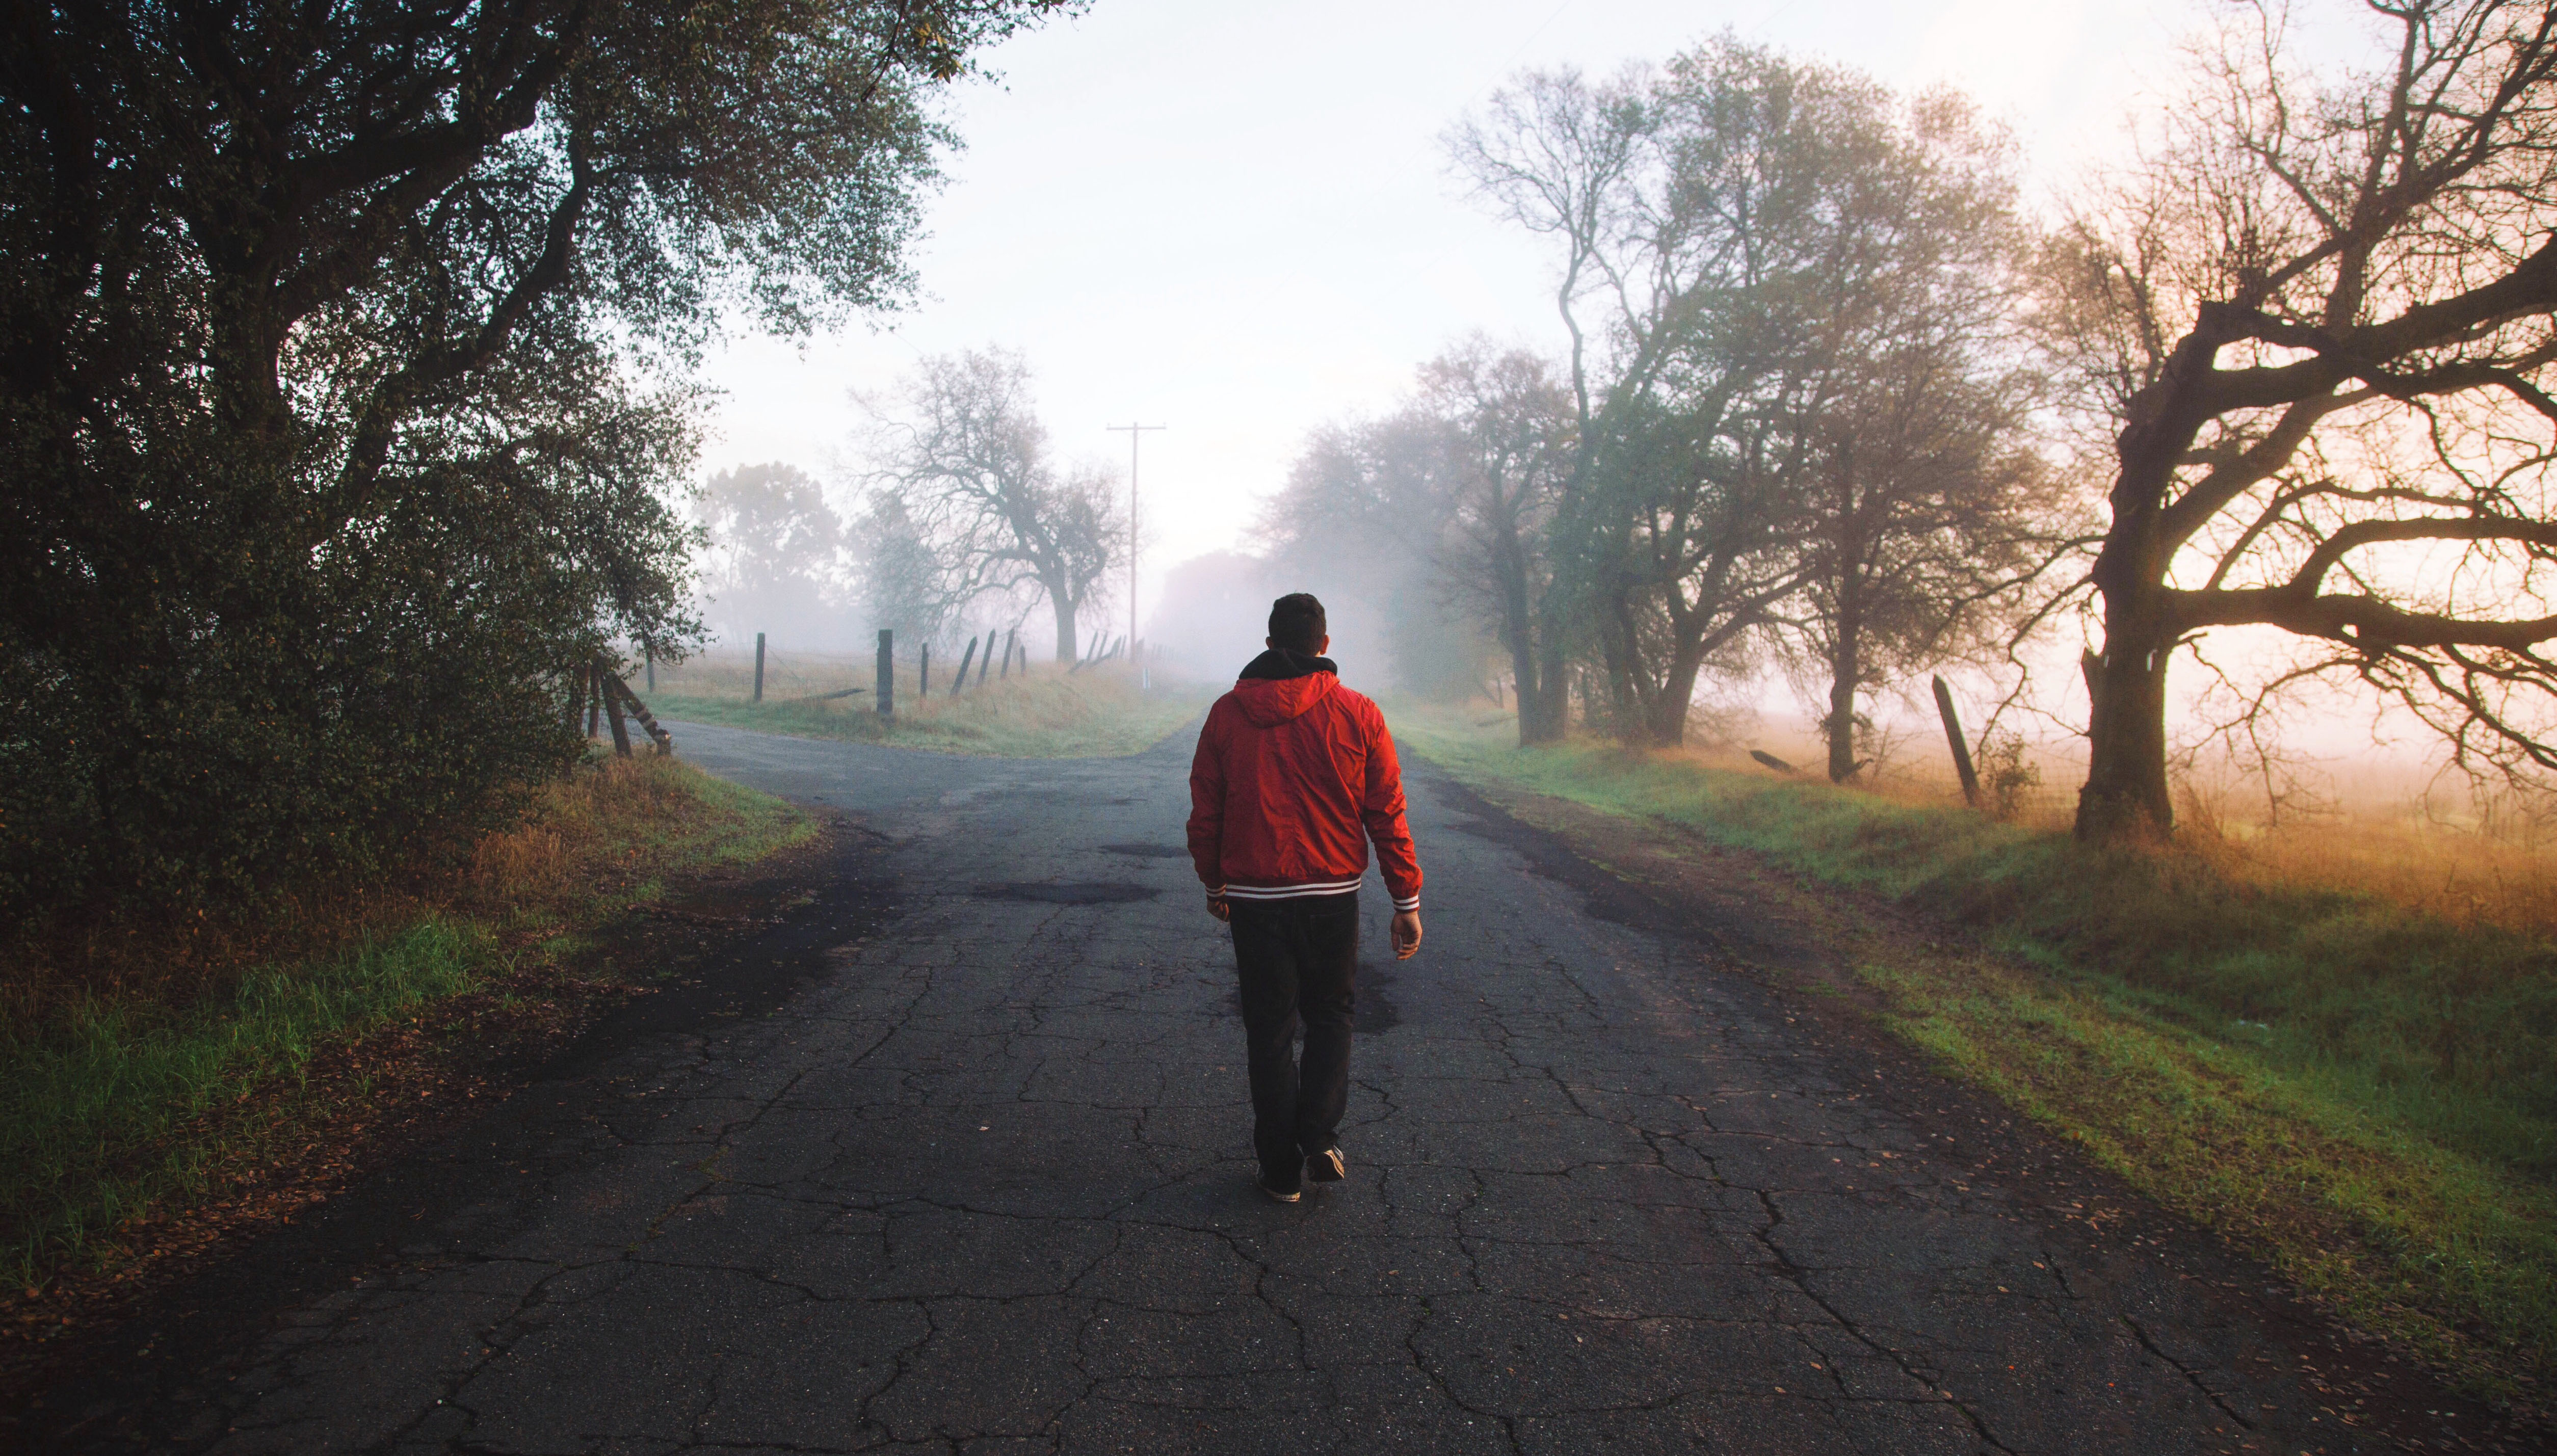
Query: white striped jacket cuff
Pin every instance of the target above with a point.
(1303, 891)
(1289, 891)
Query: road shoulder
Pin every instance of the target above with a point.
(380, 1119)
(1807, 941)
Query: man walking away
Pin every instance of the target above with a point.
(1294, 775)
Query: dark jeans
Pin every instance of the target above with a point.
(1298, 965)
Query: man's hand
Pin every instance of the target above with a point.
(1405, 934)
(1217, 907)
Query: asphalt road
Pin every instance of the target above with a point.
(970, 1174)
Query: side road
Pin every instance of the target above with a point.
(975, 1177)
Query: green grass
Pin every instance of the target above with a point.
(1043, 712)
(2362, 1092)
(111, 1106)
(94, 1098)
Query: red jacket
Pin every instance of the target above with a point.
(1293, 776)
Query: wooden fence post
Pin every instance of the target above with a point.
(652, 666)
(664, 741)
(1953, 738)
(888, 673)
(1008, 654)
(758, 667)
(923, 673)
(605, 682)
(985, 664)
(960, 683)
(593, 701)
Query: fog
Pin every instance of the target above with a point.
(1240, 224)
(1243, 226)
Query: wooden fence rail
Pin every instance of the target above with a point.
(601, 693)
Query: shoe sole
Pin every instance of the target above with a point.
(1327, 1167)
(1275, 1195)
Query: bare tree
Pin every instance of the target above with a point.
(969, 462)
(2319, 315)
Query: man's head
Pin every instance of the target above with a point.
(1297, 623)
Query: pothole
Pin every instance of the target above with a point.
(1085, 893)
(1149, 852)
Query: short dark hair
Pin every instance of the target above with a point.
(1296, 622)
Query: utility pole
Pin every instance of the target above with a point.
(1136, 433)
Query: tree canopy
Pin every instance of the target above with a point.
(339, 407)
(2318, 321)
(1794, 413)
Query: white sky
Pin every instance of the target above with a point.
(1236, 222)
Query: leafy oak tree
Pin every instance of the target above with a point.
(1766, 268)
(324, 449)
(1925, 505)
(773, 549)
(1505, 441)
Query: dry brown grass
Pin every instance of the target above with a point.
(1042, 712)
(596, 823)
(610, 817)
(2369, 836)
(2462, 877)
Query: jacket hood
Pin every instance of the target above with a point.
(1279, 685)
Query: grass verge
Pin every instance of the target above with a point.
(2363, 1094)
(119, 1109)
(1042, 713)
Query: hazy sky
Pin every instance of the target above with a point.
(1236, 222)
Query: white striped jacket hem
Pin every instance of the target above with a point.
(1304, 892)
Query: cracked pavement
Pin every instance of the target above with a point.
(979, 1180)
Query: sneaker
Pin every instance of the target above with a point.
(1275, 1195)
(1327, 1167)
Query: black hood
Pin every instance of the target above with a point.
(1279, 664)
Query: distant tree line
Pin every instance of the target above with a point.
(959, 513)
(1832, 403)
(329, 442)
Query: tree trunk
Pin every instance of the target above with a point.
(1664, 717)
(2125, 797)
(1069, 642)
(1846, 642)
(1841, 719)
(1547, 713)
(1518, 633)
(1621, 653)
